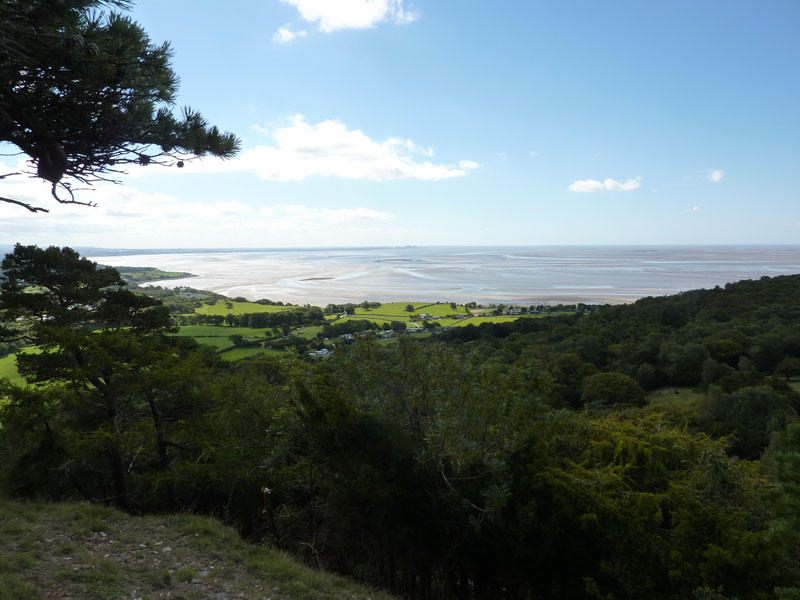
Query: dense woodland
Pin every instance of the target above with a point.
(649, 450)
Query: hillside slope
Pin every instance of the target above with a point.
(84, 551)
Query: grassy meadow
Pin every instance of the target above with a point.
(218, 336)
(397, 310)
(196, 331)
(8, 368)
(234, 354)
(232, 307)
(309, 332)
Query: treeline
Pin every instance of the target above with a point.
(667, 339)
(294, 317)
(179, 300)
(353, 326)
(349, 308)
(739, 343)
(139, 274)
(455, 468)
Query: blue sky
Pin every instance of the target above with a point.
(386, 122)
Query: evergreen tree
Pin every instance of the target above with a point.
(97, 369)
(84, 92)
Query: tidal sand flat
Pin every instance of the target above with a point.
(519, 275)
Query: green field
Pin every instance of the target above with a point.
(219, 343)
(219, 338)
(481, 311)
(309, 332)
(239, 353)
(8, 366)
(398, 309)
(230, 307)
(441, 309)
(219, 331)
(479, 320)
(448, 322)
(393, 310)
(416, 336)
(379, 319)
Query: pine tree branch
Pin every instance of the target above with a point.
(30, 207)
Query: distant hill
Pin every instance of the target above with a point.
(141, 274)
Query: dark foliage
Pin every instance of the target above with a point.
(437, 469)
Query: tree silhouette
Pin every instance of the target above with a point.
(84, 92)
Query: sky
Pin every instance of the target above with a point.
(444, 122)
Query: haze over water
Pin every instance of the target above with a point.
(520, 275)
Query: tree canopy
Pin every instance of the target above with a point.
(84, 92)
(521, 461)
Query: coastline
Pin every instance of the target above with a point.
(486, 275)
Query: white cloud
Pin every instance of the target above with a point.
(285, 35)
(694, 209)
(408, 145)
(586, 185)
(299, 218)
(128, 217)
(609, 185)
(622, 186)
(715, 175)
(333, 15)
(330, 149)
(535, 155)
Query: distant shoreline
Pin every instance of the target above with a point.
(93, 251)
(516, 275)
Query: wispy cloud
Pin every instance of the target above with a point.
(694, 209)
(715, 175)
(129, 217)
(330, 149)
(534, 155)
(352, 14)
(285, 35)
(609, 185)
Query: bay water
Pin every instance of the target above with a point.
(483, 274)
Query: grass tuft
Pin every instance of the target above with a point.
(96, 552)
